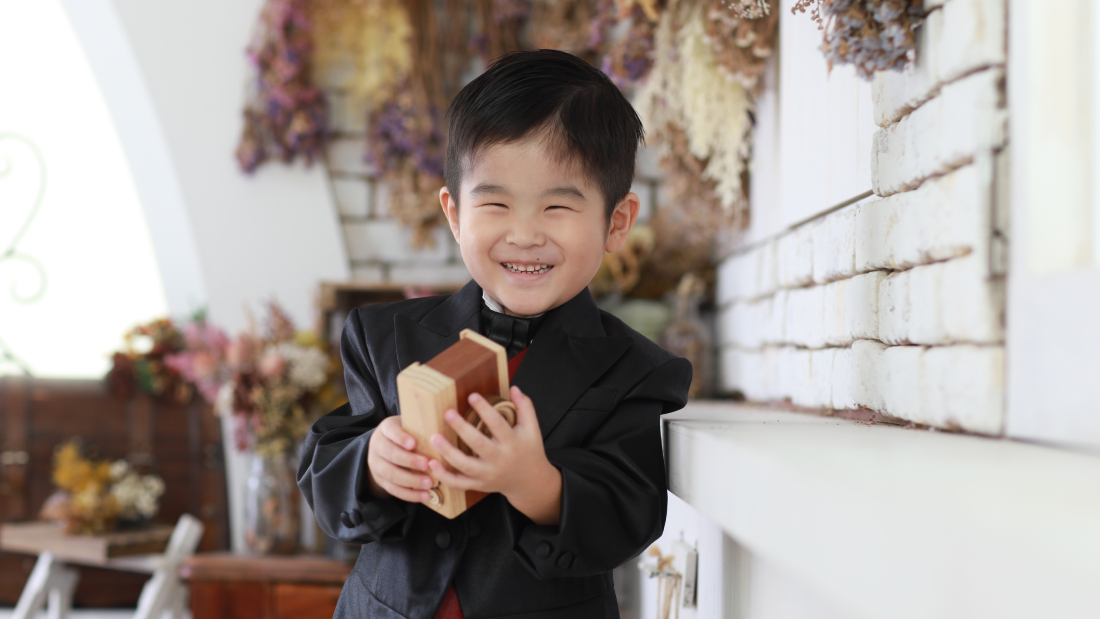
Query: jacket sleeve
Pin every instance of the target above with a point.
(614, 491)
(333, 473)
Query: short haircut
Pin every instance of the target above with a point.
(584, 117)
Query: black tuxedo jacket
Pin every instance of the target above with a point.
(598, 388)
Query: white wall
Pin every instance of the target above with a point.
(273, 235)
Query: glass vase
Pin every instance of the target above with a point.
(271, 505)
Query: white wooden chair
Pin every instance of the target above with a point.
(52, 582)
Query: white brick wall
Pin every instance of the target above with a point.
(894, 303)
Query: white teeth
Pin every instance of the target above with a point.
(516, 268)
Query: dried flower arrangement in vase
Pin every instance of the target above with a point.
(273, 384)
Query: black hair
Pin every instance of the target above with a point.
(584, 116)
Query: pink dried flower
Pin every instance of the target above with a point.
(272, 364)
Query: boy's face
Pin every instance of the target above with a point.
(533, 231)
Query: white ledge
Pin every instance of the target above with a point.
(894, 522)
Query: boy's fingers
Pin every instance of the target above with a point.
(403, 477)
(405, 494)
(492, 418)
(454, 480)
(477, 441)
(397, 434)
(394, 453)
(455, 457)
(525, 408)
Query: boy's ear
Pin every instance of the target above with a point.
(450, 209)
(622, 220)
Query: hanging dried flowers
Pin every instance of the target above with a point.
(500, 26)
(743, 37)
(873, 35)
(687, 90)
(287, 115)
(363, 48)
(562, 24)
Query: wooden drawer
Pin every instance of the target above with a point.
(295, 601)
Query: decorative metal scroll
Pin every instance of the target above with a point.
(10, 253)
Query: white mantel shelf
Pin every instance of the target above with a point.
(890, 522)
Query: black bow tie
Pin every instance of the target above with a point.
(511, 332)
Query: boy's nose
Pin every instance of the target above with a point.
(525, 234)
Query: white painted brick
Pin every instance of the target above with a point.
(821, 379)
(835, 308)
(901, 382)
(647, 164)
(345, 116)
(776, 361)
(926, 299)
(352, 196)
(777, 318)
(861, 306)
(786, 378)
(945, 218)
(737, 277)
(387, 240)
(801, 381)
(346, 155)
(744, 371)
(834, 246)
(381, 199)
(943, 303)
(804, 320)
(895, 94)
(746, 323)
(843, 386)
(965, 36)
(767, 272)
(973, 302)
(973, 36)
(866, 374)
(794, 258)
(893, 308)
(944, 133)
(963, 387)
(368, 273)
(429, 274)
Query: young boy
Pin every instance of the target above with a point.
(540, 160)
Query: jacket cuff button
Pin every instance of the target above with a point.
(351, 518)
(543, 550)
(565, 560)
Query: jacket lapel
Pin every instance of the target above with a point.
(438, 329)
(569, 353)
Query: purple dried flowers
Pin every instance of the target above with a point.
(287, 114)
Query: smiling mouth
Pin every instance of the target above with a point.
(533, 269)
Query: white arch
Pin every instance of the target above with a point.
(108, 51)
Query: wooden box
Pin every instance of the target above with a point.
(475, 364)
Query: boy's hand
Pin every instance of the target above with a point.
(395, 470)
(513, 462)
